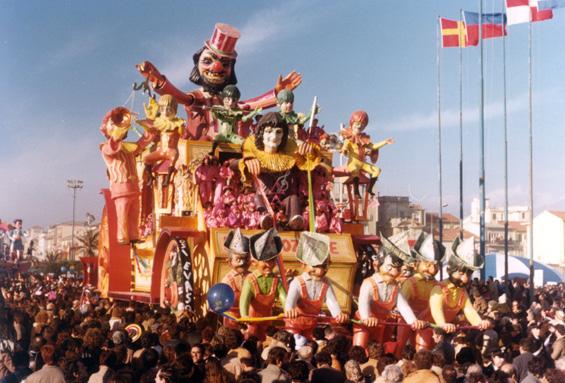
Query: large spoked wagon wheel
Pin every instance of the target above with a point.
(176, 275)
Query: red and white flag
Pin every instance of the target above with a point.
(524, 11)
(518, 11)
(539, 15)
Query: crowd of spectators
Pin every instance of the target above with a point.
(53, 330)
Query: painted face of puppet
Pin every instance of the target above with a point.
(460, 278)
(117, 133)
(266, 267)
(428, 269)
(389, 272)
(272, 138)
(239, 262)
(229, 102)
(406, 271)
(317, 272)
(286, 106)
(357, 127)
(215, 70)
(168, 110)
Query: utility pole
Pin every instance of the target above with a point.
(74, 185)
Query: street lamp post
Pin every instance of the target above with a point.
(74, 185)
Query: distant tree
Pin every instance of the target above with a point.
(88, 241)
(53, 255)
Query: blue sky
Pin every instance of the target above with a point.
(65, 63)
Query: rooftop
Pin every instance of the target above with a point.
(560, 214)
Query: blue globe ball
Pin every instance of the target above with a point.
(220, 298)
(63, 269)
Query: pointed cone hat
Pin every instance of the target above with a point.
(313, 248)
(265, 246)
(237, 242)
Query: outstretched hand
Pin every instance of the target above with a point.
(150, 72)
(290, 82)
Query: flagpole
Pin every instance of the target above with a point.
(505, 154)
(440, 223)
(461, 133)
(531, 169)
(482, 145)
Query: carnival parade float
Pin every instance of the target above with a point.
(238, 193)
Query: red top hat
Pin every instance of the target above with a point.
(223, 40)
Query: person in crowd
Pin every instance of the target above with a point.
(50, 372)
(274, 373)
(520, 362)
(324, 372)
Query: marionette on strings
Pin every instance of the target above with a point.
(229, 116)
(357, 146)
(163, 123)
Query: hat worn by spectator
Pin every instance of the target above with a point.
(265, 246)
(237, 242)
(313, 249)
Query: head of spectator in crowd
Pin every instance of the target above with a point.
(353, 372)
(384, 361)
(537, 366)
(357, 353)
(525, 345)
(277, 356)
(323, 359)
(197, 353)
(298, 371)
(559, 330)
(438, 335)
(392, 374)
(423, 359)
(48, 354)
(498, 360)
(510, 371)
(553, 375)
